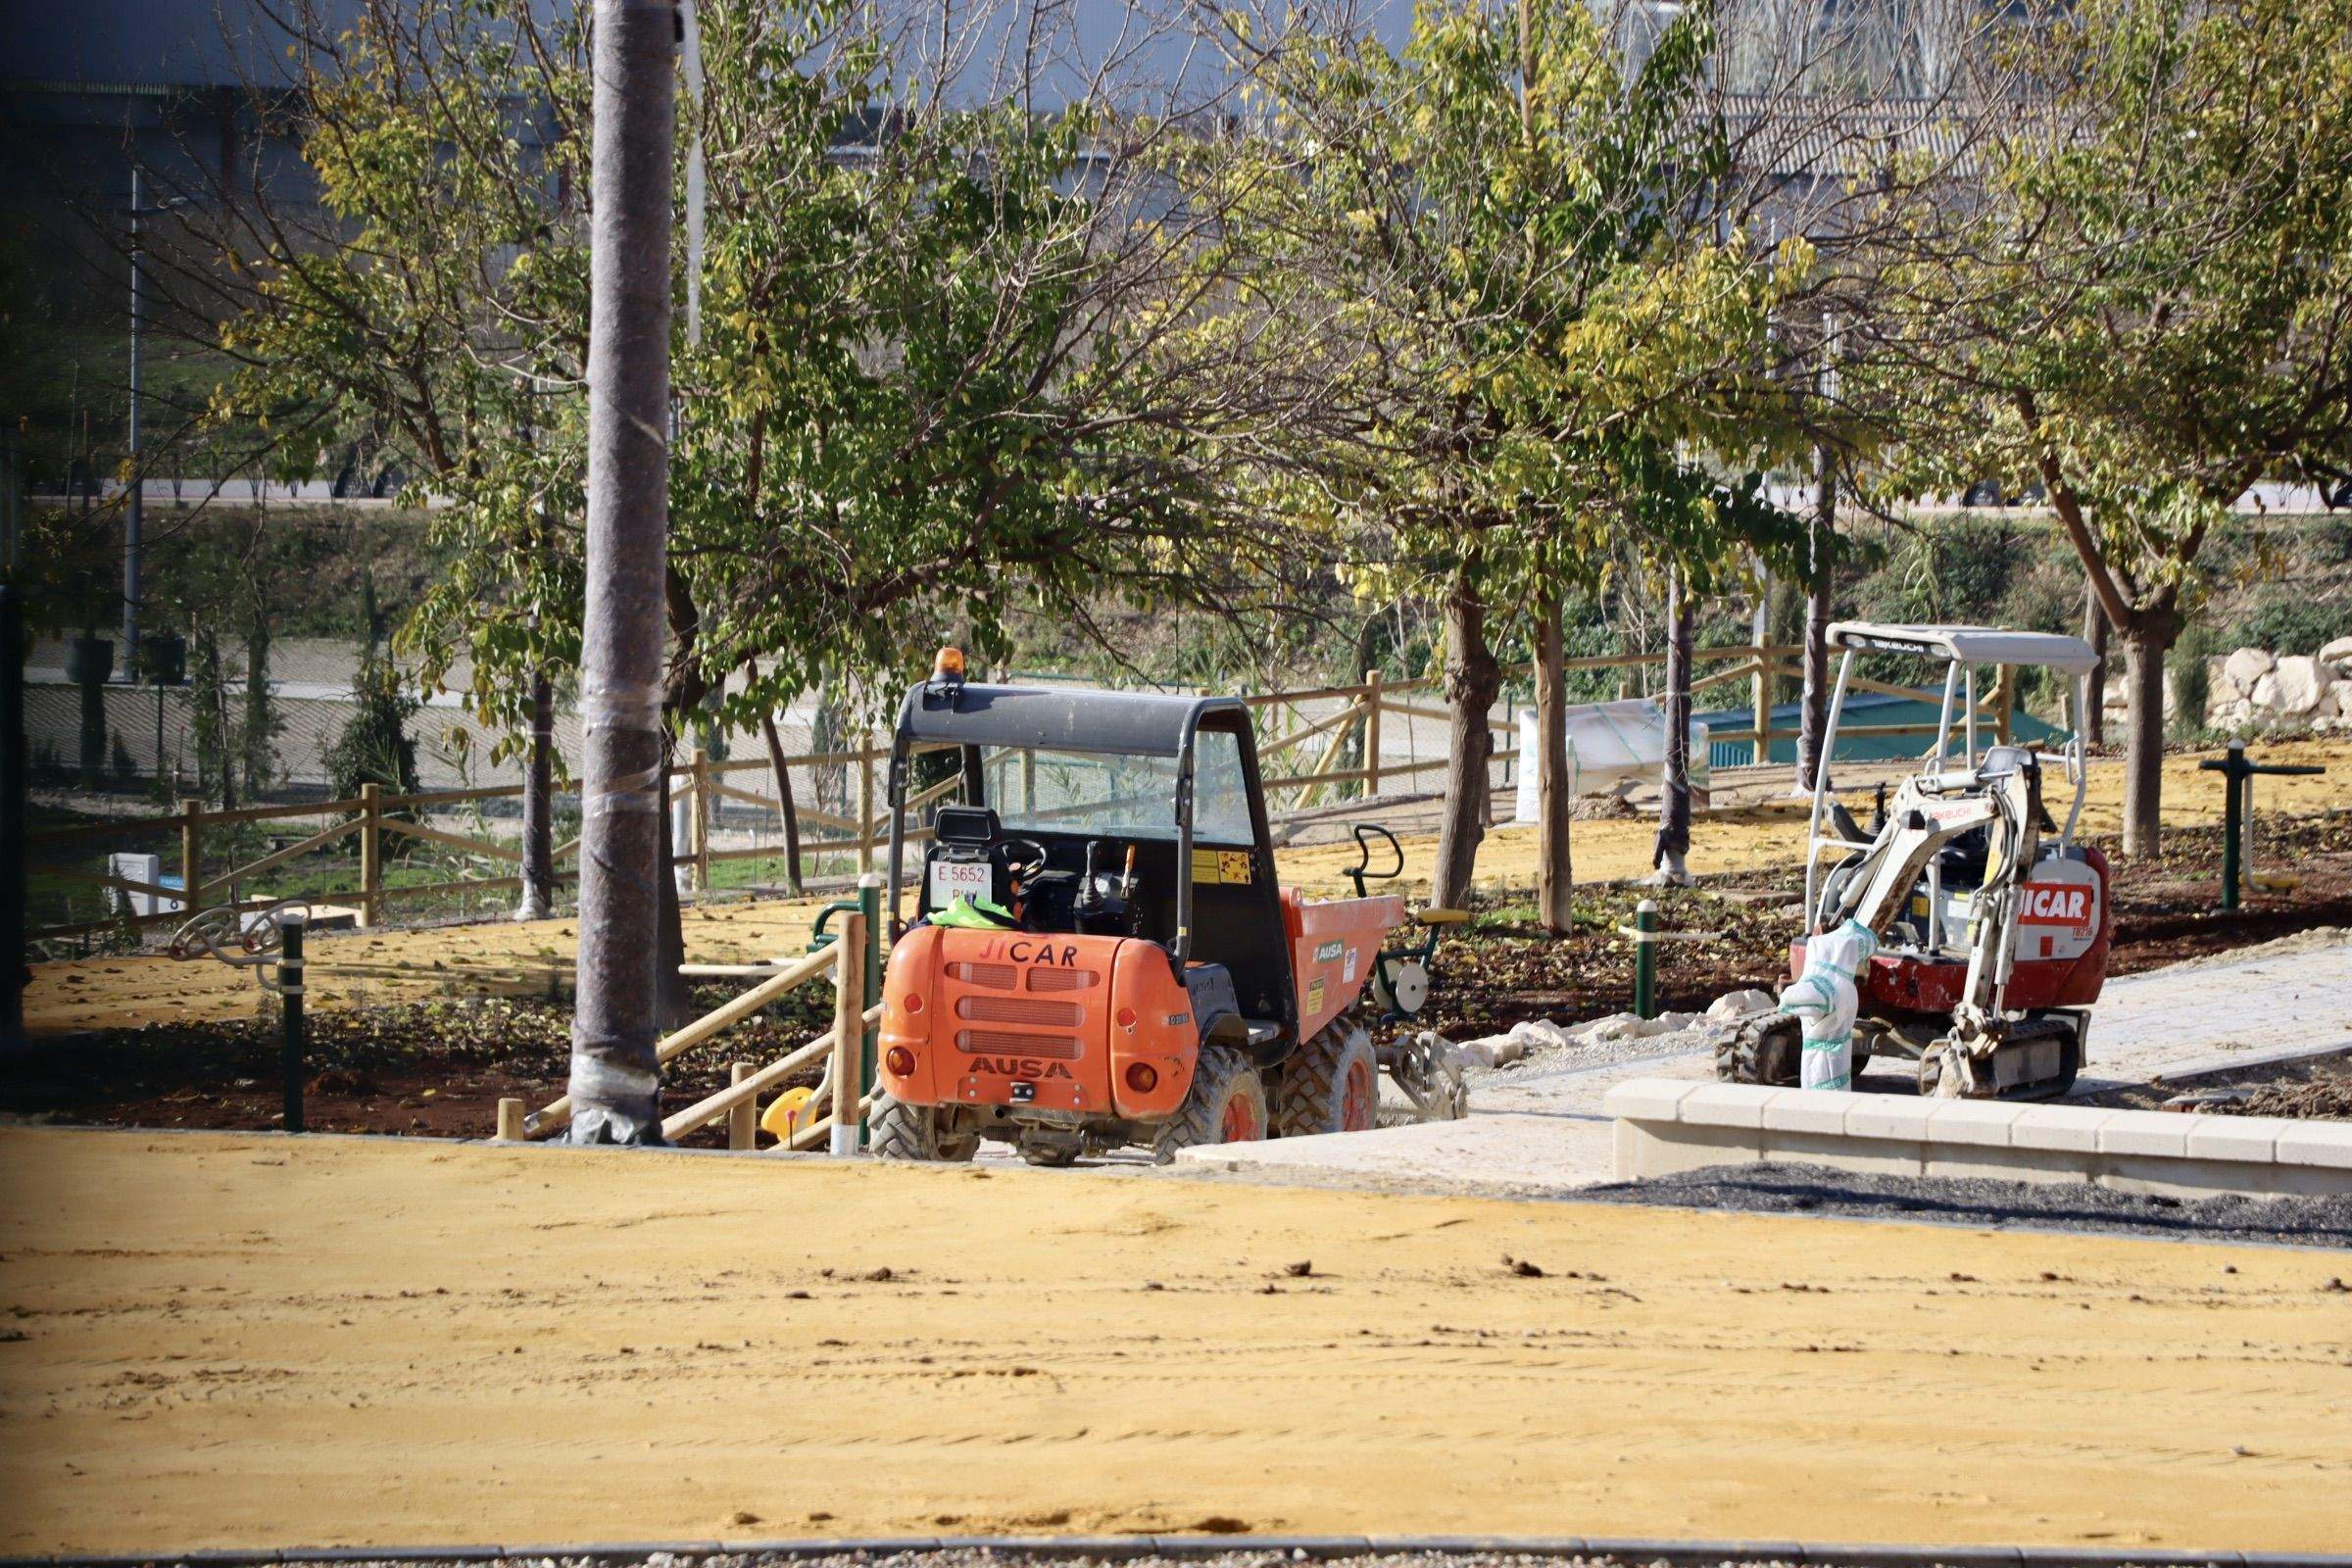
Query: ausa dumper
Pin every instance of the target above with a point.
(1100, 954)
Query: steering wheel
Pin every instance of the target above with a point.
(1021, 859)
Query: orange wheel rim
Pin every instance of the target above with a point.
(1240, 1125)
(1357, 1099)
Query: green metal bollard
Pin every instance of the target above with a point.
(1646, 962)
(291, 926)
(869, 904)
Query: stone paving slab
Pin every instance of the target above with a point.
(1548, 1131)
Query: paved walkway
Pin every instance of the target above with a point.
(1545, 1131)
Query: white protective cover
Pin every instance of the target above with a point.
(1825, 1000)
(1609, 744)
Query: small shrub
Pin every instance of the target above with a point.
(2284, 623)
(2190, 668)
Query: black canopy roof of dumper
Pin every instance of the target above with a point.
(1073, 719)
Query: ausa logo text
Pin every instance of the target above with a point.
(1020, 1067)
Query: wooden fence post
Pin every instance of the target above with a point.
(865, 802)
(743, 1121)
(848, 1028)
(2004, 703)
(509, 1121)
(701, 815)
(191, 855)
(1371, 733)
(371, 854)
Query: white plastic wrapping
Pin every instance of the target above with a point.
(1824, 998)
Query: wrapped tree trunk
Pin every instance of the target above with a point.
(1673, 801)
(1552, 863)
(1473, 680)
(615, 1077)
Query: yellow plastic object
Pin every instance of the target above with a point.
(2274, 881)
(1443, 917)
(789, 1113)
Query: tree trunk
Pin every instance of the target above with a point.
(785, 807)
(615, 1078)
(1674, 802)
(2094, 718)
(672, 1008)
(1472, 682)
(258, 718)
(1353, 760)
(539, 806)
(2145, 643)
(1553, 854)
(1813, 715)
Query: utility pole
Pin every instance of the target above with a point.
(615, 1077)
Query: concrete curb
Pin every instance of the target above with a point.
(1668, 1125)
(1115, 1548)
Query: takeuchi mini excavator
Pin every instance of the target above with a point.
(1992, 922)
(1100, 953)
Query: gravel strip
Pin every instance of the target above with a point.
(1771, 1189)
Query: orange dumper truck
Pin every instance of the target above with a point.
(1100, 953)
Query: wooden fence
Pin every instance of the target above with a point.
(1290, 725)
(737, 1104)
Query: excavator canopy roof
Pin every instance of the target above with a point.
(1970, 645)
(1070, 718)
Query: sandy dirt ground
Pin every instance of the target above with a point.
(119, 992)
(222, 1339)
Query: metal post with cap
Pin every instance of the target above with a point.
(1645, 961)
(292, 925)
(2237, 775)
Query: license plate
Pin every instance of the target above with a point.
(971, 879)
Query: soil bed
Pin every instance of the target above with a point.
(2311, 1087)
(1505, 969)
(437, 1068)
(1771, 1189)
(1239, 1558)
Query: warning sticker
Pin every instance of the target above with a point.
(1221, 868)
(1314, 995)
(1348, 971)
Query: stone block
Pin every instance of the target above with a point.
(1904, 1116)
(1809, 1110)
(2159, 1133)
(1726, 1105)
(1975, 1124)
(2068, 1129)
(2292, 689)
(2247, 1138)
(2325, 1143)
(1639, 1151)
(1647, 1098)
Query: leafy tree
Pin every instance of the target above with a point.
(1474, 258)
(373, 746)
(2148, 304)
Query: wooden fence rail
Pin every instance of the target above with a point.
(1291, 730)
